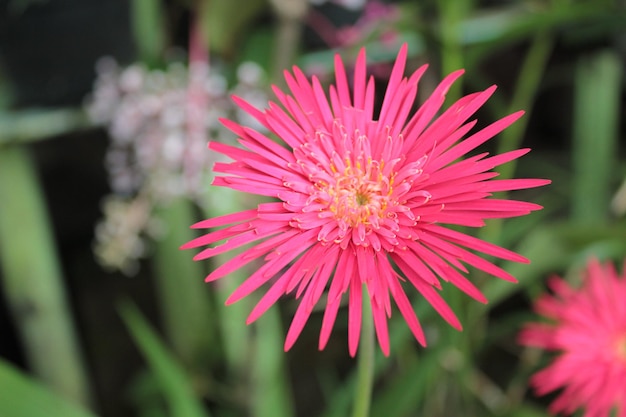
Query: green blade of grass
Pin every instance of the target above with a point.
(183, 295)
(224, 21)
(596, 112)
(174, 383)
(272, 396)
(22, 396)
(39, 124)
(235, 335)
(148, 30)
(415, 379)
(33, 281)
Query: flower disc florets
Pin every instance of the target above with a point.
(360, 199)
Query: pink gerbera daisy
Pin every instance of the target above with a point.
(360, 199)
(588, 328)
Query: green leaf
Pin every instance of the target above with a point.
(183, 295)
(148, 30)
(33, 281)
(21, 396)
(416, 379)
(171, 377)
(272, 396)
(528, 411)
(547, 253)
(553, 248)
(596, 120)
(37, 124)
(225, 20)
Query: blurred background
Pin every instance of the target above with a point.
(105, 111)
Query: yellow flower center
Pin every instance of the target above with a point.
(359, 194)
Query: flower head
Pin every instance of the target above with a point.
(588, 328)
(358, 195)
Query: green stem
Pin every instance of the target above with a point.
(365, 364)
(33, 282)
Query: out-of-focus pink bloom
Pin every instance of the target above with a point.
(357, 194)
(588, 328)
(378, 20)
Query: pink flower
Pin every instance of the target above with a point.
(588, 328)
(358, 196)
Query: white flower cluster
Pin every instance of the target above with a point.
(160, 122)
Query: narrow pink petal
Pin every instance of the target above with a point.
(426, 112)
(218, 235)
(456, 197)
(493, 204)
(365, 264)
(404, 109)
(330, 314)
(395, 78)
(248, 186)
(476, 244)
(263, 275)
(432, 252)
(444, 126)
(298, 242)
(513, 184)
(266, 147)
(236, 242)
(354, 316)
(458, 218)
(359, 80)
(476, 140)
(368, 104)
(335, 104)
(319, 282)
(230, 151)
(503, 158)
(380, 324)
(437, 302)
(316, 258)
(249, 255)
(225, 219)
(299, 114)
(343, 91)
(251, 110)
(301, 317)
(406, 309)
(343, 276)
(269, 299)
(257, 175)
(284, 127)
(322, 102)
(470, 258)
(233, 126)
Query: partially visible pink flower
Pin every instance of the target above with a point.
(361, 199)
(587, 326)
